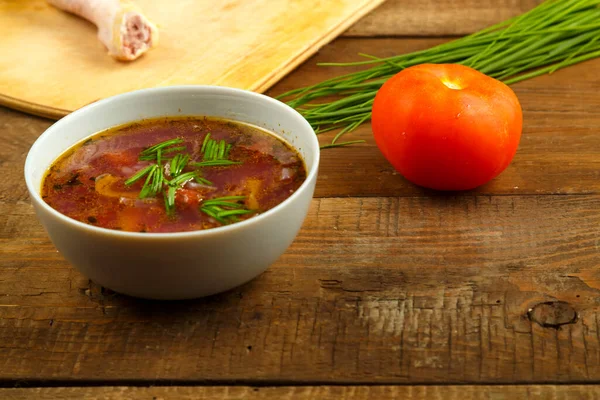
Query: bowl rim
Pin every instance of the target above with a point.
(193, 89)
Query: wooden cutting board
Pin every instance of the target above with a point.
(52, 63)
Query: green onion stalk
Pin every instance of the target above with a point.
(551, 36)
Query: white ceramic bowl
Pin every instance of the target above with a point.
(186, 264)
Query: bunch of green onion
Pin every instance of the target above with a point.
(553, 35)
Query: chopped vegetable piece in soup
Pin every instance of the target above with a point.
(173, 175)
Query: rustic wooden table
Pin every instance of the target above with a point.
(388, 292)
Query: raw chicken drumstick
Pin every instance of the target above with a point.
(126, 33)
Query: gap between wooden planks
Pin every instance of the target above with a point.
(382, 290)
(484, 392)
(354, 299)
(558, 153)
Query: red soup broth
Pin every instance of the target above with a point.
(87, 183)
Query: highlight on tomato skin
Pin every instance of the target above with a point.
(447, 126)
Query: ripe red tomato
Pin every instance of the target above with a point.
(447, 126)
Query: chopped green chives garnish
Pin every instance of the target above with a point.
(173, 149)
(147, 189)
(213, 154)
(206, 139)
(225, 209)
(212, 150)
(214, 209)
(161, 145)
(158, 180)
(202, 180)
(221, 153)
(170, 200)
(222, 203)
(226, 198)
(140, 174)
(173, 166)
(182, 179)
(208, 155)
(178, 163)
(155, 152)
(213, 214)
(228, 213)
(208, 149)
(214, 163)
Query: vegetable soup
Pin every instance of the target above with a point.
(172, 175)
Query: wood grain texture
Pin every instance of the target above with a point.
(393, 285)
(559, 151)
(242, 44)
(380, 290)
(437, 17)
(566, 392)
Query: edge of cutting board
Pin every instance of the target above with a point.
(33, 108)
(335, 32)
(54, 113)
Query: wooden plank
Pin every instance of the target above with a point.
(437, 17)
(580, 392)
(559, 151)
(374, 290)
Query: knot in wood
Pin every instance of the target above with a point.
(552, 314)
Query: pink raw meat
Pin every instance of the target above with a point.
(122, 28)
